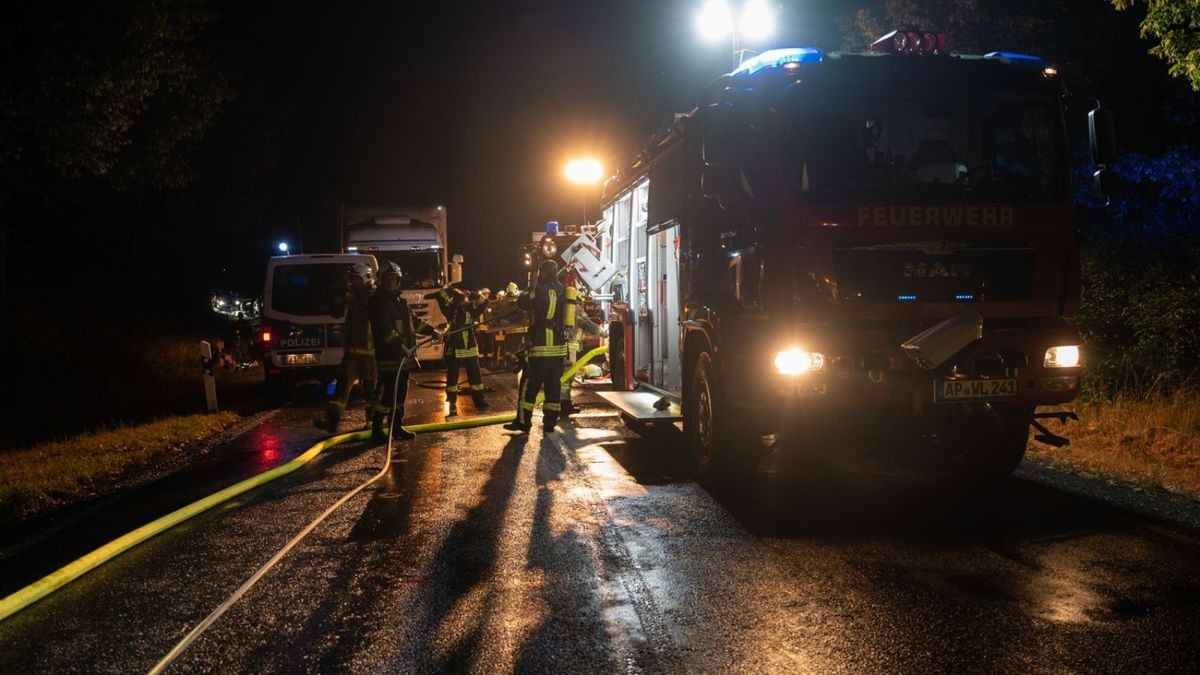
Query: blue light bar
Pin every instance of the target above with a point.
(1019, 59)
(964, 296)
(776, 58)
(906, 298)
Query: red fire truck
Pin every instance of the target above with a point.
(844, 247)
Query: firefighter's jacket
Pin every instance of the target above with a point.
(395, 329)
(353, 305)
(461, 311)
(547, 333)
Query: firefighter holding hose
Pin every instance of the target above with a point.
(395, 329)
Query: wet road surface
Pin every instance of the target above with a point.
(592, 551)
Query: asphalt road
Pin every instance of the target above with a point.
(592, 551)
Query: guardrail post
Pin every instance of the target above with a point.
(210, 384)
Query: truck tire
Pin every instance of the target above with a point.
(1001, 456)
(274, 385)
(722, 452)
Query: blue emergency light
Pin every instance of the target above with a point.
(906, 298)
(1013, 57)
(775, 58)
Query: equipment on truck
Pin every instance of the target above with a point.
(834, 243)
(415, 239)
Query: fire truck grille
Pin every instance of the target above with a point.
(935, 271)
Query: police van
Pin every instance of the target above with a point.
(300, 339)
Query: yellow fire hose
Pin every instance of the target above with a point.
(65, 575)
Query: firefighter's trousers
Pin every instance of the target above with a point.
(474, 375)
(389, 385)
(542, 371)
(353, 367)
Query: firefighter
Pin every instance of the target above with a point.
(548, 326)
(462, 310)
(358, 359)
(583, 324)
(395, 329)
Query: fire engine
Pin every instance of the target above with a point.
(840, 247)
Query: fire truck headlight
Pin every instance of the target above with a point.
(1063, 356)
(797, 362)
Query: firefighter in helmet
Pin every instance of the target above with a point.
(546, 339)
(395, 329)
(462, 309)
(358, 358)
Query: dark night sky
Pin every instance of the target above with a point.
(475, 107)
(478, 106)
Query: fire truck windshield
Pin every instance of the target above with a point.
(418, 269)
(928, 146)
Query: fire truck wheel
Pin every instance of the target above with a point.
(720, 451)
(995, 460)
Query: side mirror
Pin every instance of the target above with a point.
(1102, 136)
(456, 262)
(1104, 182)
(717, 150)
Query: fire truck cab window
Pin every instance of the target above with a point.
(923, 146)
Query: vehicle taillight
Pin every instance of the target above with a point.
(266, 336)
(911, 42)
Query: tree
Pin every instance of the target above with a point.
(1176, 25)
(116, 90)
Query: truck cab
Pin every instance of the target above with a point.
(415, 239)
(834, 242)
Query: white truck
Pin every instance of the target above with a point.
(415, 239)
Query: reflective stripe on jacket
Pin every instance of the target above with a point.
(546, 304)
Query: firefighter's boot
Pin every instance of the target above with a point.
(399, 433)
(480, 402)
(518, 426)
(329, 423)
(549, 421)
(378, 433)
(452, 401)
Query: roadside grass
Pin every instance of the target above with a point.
(1151, 441)
(57, 471)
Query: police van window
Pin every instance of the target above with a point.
(306, 290)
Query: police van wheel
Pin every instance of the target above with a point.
(720, 450)
(275, 385)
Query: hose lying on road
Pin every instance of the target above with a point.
(387, 464)
(39, 589)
